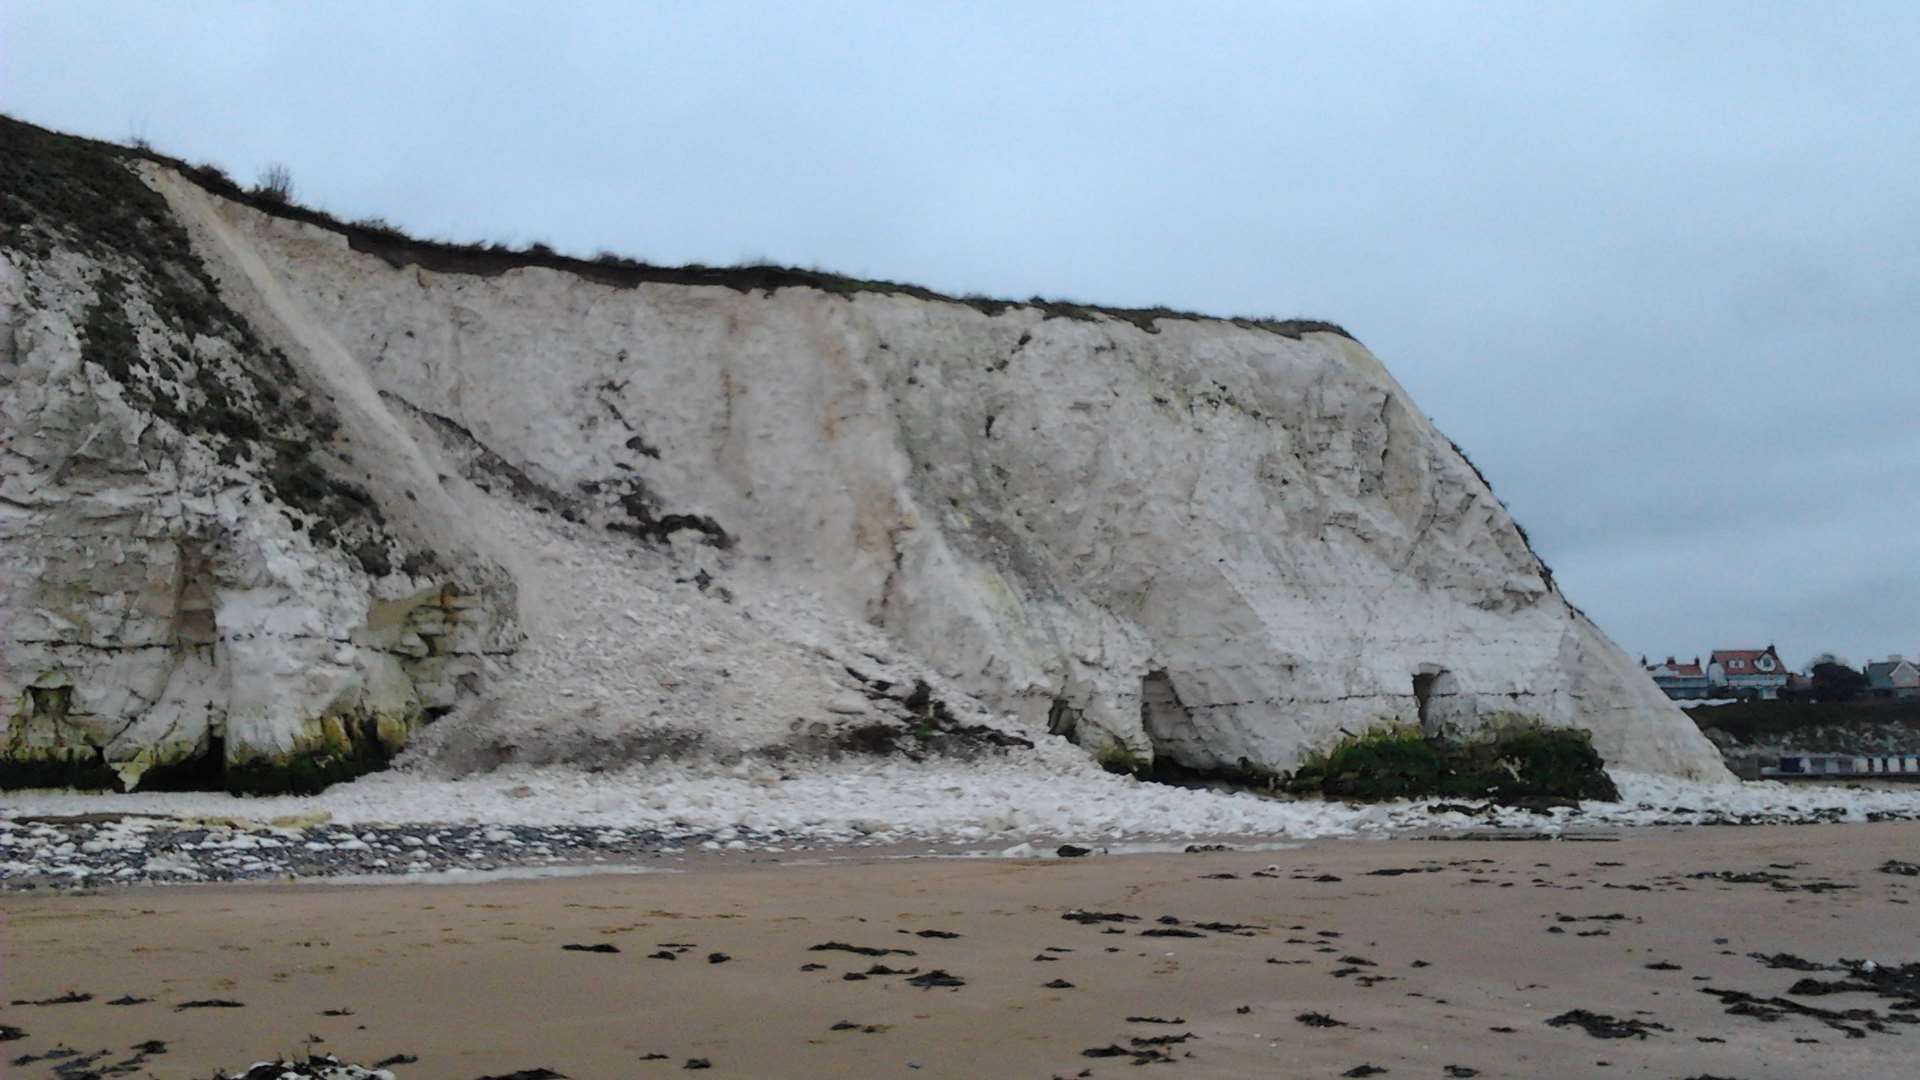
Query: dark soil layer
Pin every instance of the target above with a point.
(1520, 767)
(488, 260)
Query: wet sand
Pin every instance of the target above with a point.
(1421, 970)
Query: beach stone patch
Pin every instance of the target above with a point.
(1090, 918)
(848, 1025)
(312, 1067)
(1789, 962)
(56, 1054)
(1781, 882)
(1602, 1026)
(90, 851)
(1237, 929)
(1898, 984)
(1145, 1056)
(68, 998)
(1163, 1040)
(858, 950)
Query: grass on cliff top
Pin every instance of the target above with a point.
(1525, 765)
(377, 237)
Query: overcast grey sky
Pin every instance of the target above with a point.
(1656, 267)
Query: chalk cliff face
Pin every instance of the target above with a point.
(285, 491)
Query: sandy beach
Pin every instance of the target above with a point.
(1419, 957)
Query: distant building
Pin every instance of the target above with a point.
(1844, 765)
(1751, 673)
(1682, 682)
(1896, 676)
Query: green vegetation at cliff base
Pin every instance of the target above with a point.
(1528, 766)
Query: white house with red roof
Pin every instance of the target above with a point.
(1747, 673)
(1682, 682)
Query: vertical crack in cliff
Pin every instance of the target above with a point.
(1386, 437)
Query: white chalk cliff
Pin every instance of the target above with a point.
(340, 485)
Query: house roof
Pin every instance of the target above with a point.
(1677, 670)
(1722, 656)
(1880, 673)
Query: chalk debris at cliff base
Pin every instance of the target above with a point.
(541, 819)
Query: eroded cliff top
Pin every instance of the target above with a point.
(24, 142)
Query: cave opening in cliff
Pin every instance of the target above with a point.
(1436, 702)
(1166, 721)
(1423, 695)
(204, 771)
(1063, 720)
(1170, 730)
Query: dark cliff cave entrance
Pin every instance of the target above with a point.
(1173, 735)
(1166, 721)
(205, 771)
(1064, 720)
(1423, 695)
(1167, 724)
(1435, 700)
